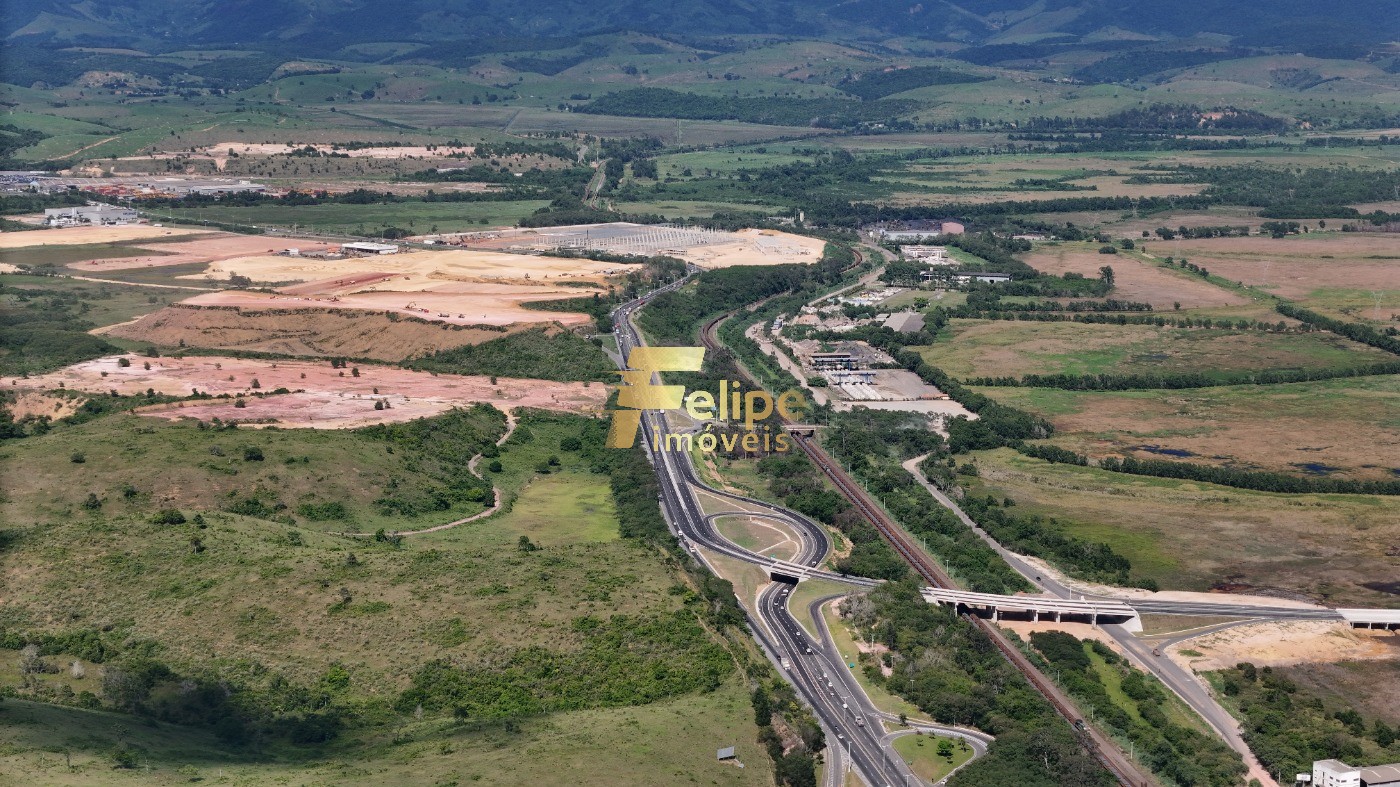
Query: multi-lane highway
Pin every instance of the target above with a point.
(857, 739)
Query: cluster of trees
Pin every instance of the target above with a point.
(1164, 117)
(1261, 480)
(550, 66)
(886, 82)
(873, 444)
(1388, 339)
(539, 353)
(1177, 753)
(801, 487)
(1291, 193)
(1033, 534)
(46, 330)
(441, 447)
(621, 660)
(673, 317)
(770, 110)
(951, 671)
(1167, 233)
(135, 681)
(1179, 380)
(986, 303)
(1288, 730)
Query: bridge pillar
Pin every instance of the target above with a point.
(996, 614)
(1035, 615)
(1057, 616)
(1094, 621)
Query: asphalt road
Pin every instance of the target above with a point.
(856, 737)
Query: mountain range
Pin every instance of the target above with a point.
(1346, 30)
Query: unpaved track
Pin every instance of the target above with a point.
(471, 465)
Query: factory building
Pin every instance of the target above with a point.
(88, 214)
(360, 247)
(1335, 773)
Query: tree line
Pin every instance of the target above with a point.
(1182, 380)
(1179, 754)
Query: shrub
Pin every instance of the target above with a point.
(252, 453)
(168, 516)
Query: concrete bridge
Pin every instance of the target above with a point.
(1033, 607)
(1387, 619)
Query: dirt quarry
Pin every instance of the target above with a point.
(344, 332)
(322, 397)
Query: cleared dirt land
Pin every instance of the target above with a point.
(1192, 536)
(1344, 427)
(1134, 279)
(1350, 275)
(206, 247)
(1002, 348)
(314, 331)
(324, 397)
(69, 236)
(706, 248)
(1290, 642)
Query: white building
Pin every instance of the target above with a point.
(360, 247)
(989, 278)
(88, 214)
(1335, 773)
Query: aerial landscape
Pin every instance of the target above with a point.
(738, 392)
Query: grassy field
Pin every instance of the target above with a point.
(617, 746)
(562, 509)
(261, 604)
(176, 465)
(418, 217)
(1191, 536)
(106, 304)
(1343, 427)
(1002, 348)
(921, 752)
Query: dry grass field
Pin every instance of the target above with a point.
(326, 332)
(998, 348)
(323, 397)
(1345, 427)
(1134, 278)
(69, 236)
(1353, 276)
(1192, 536)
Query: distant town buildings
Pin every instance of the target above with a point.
(130, 186)
(88, 214)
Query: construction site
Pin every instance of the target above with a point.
(707, 248)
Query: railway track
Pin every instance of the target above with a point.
(1123, 770)
(931, 572)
